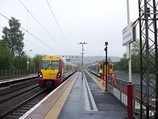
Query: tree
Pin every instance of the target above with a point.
(136, 47)
(135, 64)
(6, 58)
(122, 65)
(36, 60)
(13, 37)
(19, 62)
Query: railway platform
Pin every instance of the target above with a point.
(81, 99)
(5, 80)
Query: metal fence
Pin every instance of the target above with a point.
(16, 73)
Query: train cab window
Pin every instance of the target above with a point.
(45, 64)
(101, 66)
(55, 64)
(110, 66)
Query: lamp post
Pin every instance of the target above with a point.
(106, 73)
(82, 43)
(27, 62)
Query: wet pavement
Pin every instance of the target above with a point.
(87, 101)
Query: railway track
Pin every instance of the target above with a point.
(17, 98)
(9, 82)
(10, 87)
(24, 106)
(13, 94)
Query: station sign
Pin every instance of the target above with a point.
(128, 34)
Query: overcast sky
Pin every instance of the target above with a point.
(59, 25)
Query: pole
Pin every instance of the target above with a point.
(82, 60)
(130, 85)
(106, 73)
(106, 69)
(27, 65)
(82, 43)
(27, 62)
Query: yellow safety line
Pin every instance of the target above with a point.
(98, 81)
(54, 112)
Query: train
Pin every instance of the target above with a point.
(99, 68)
(53, 70)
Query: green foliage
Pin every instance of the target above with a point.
(122, 65)
(136, 47)
(13, 37)
(6, 58)
(135, 63)
(32, 64)
(19, 62)
(36, 59)
(11, 49)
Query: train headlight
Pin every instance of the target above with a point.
(58, 75)
(40, 75)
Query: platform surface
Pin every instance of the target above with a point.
(80, 103)
(18, 78)
(81, 99)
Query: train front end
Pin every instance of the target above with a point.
(50, 71)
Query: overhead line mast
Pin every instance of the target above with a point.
(149, 61)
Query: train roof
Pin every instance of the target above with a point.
(104, 60)
(48, 57)
(98, 62)
(54, 57)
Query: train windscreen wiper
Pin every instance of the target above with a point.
(48, 66)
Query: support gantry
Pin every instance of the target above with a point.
(148, 58)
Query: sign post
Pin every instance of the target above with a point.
(129, 36)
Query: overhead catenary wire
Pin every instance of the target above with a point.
(27, 20)
(32, 35)
(58, 25)
(39, 40)
(28, 11)
(32, 43)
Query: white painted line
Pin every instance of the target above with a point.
(87, 105)
(91, 96)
